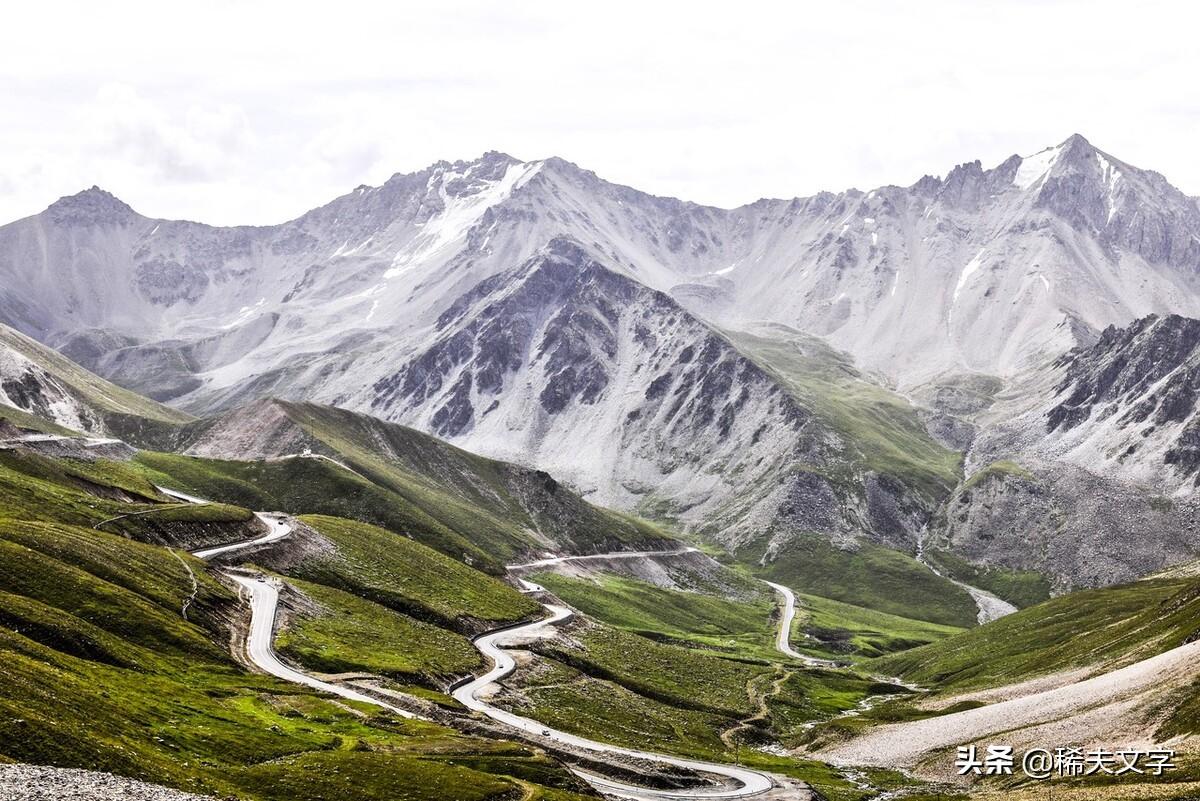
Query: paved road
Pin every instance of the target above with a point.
(746, 782)
(264, 598)
(183, 496)
(277, 529)
(783, 641)
(558, 560)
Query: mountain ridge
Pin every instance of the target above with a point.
(447, 299)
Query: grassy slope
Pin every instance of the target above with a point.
(822, 627)
(831, 629)
(30, 421)
(629, 690)
(881, 429)
(1021, 588)
(103, 671)
(1002, 467)
(872, 576)
(882, 434)
(467, 489)
(409, 577)
(34, 487)
(105, 397)
(312, 486)
(1093, 628)
(736, 627)
(480, 510)
(448, 523)
(346, 634)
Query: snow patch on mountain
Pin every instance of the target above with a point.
(27, 387)
(460, 212)
(1034, 168)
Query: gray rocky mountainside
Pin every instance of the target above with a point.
(1089, 464)
(657, 354)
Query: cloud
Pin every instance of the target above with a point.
(122, 124)
(268, 108)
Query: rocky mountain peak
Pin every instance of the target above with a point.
(92, 206)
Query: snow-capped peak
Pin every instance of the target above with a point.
(1034, 168)
(465, 198)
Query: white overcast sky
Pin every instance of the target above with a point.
(253, 112)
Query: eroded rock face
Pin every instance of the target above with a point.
(1125, 366)
(1142, 380)
(28, 387)
(1185, 453)
(566, 363)
(166, 282)
(1074, 527)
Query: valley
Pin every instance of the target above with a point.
(500, 481)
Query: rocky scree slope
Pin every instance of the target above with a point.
(1087, 468)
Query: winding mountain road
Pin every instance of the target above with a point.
(558, 560)
(264, 598)
(746, 782)
(277, 529)
(783, 641)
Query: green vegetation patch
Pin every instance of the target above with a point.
(737, 627)
(999, 469)
(882, 430)
(682, 677)
(346, 634)
(316, 486)
(103, 671)
(1090, 628)
(873, 576)
(409, 577)
(1021, 588)
(832, 629)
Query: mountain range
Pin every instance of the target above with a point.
(843, 365)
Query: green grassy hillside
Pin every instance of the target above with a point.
(407, 576)
(114, 496)
(116, 658)
(881, 429)
(115, 679)
(836, 630)
(313, 486)
(736, 627)
(488, 510)
(871, 576)
(627, 689)
(1100, 629)
(343, 633)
